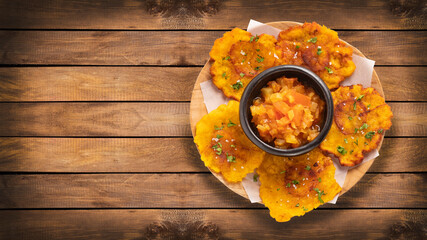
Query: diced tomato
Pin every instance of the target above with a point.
(301, 99)
(298, 115)
(281, 107)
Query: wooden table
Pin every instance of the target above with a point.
(95, 140)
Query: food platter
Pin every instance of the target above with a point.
(198, 110)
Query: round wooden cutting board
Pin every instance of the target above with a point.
(198, 110)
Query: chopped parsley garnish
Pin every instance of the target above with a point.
(350, 118)
(237, 85)
(224, 75)
(259, 59)
(354, 106)
(218, 128)
(278, 189)
(355, 130)
(297, 205)
(233, 146)
(345, 140)
(351, 151)
(257, 68)
(226, 58)
(217, 149)
(295, 182)
(319, 194)
(256, 177)
(254, 38)
(257, 50)
(360, 97)
(364, 126)
(219, 136)
(243, 60)
(329, 70)
(307, 168)
(319, 179)
(369, 105)
(231, 158)
(296, 46)
(369, 135)
(305, 209)
(319, 51)
(230, 123)
(366, 143)
(341, 150)
(282, 172)
(288, 185)
(380, 131)
(312, 40)
(242, 74)
(356, 142)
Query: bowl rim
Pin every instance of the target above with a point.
(245, 104)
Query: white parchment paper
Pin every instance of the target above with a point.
(213, 97)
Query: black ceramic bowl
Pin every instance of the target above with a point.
(253, 90)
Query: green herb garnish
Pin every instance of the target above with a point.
(297, 47)
(224, 75)
(282, 172)
(307, 168)
(242, 74)
(233, 146)
(237, 85)
(319, 51)
(341, 150)
(369, 135)
(354, 106)
(288, 185)
(295, 182)
(256, 177)
(231, 158)
(297, 205)
(319, 194)
(380, 131)
(230, 123)
(219, 136)
(218, 128)
(305, 209)
(364, 126)
(312, 40)
(319, 179)
(350, 118)
(345, 140)
(260, 59)
(329, 70)
(257, 68)
(360, 97)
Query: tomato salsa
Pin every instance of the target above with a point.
(287, 113)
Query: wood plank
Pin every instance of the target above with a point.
(176, 47)
(185, 191)
(211, 224)
(97, 83)
(144, 119)
(100, 155)
(94, 119)
(158, 155)
(136, 83)
(377, 14)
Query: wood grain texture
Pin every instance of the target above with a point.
(97, 83)
(176, 47)
(185, 14)
(99, 155)
(185, 191)
(94, 119)
(144, 119)
(172, 83)
(159, 155)
(211, 224)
